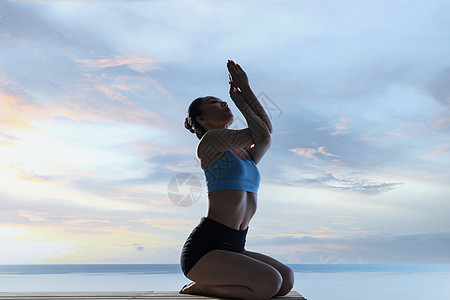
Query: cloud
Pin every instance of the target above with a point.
(311, 153)
(384, 249)
(17, 111)
(139, 247)
(135, 62)
(339, 127)
(33, 176)
(352, 184)
(438, 152)
(33, 216)
(439, 87)
(441, 123)
(336, 182)
(76, 83)
(84, 221)
(167, 223)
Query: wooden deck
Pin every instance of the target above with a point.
(115, 295)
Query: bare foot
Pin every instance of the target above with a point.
(191, 288)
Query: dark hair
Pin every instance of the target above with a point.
(194, 110)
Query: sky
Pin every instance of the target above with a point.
(93, 97)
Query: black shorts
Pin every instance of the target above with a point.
(207, 236)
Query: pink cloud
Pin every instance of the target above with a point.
(313, 153)
(435, 153)
(135, 62)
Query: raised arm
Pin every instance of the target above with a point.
(257, 126)
(240, 80)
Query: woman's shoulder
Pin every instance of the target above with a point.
(207, 153)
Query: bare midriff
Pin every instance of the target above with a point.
(232, 208)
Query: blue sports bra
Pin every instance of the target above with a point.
(231, 172)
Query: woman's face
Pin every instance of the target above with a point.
(216, 114)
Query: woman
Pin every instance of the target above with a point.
(213, 256)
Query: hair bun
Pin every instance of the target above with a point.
(188, 124)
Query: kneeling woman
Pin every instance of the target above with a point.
(214, 255)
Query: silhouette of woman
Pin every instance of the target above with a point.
(213, 256)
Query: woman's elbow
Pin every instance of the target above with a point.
(263, 140)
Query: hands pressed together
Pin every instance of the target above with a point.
(237, 80)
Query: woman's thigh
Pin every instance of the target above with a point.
(219, 267)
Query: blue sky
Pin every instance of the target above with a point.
(93, 97)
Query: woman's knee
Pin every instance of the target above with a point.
(268, 283)
(288, 281)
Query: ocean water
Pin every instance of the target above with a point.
(315, 282)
